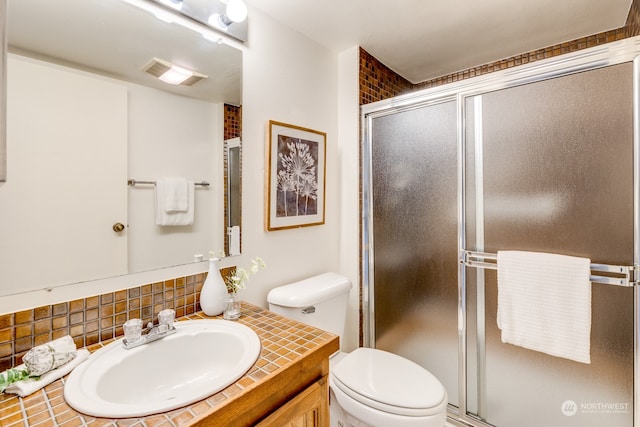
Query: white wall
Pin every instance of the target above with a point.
(291, 79)
(349, 154)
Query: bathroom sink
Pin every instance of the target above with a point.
(200, 359)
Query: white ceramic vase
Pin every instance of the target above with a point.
(213, 296)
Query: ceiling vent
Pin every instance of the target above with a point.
(164, 71)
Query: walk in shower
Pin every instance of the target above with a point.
(539, 158)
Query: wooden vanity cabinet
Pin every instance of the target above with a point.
(308, 409)
(296, 395)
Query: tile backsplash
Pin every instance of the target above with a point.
(97, 318)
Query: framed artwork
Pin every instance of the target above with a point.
(295, 176)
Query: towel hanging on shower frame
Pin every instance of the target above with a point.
(617, 275)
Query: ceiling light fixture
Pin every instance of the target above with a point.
(171, 73)
(213, 20)
(236, 11)
(175, 75)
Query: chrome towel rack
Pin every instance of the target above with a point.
(134, 182)
(618, 275)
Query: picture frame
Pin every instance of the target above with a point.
(295, 176)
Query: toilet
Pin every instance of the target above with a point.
(369, 387)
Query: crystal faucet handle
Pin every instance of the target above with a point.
(166, 317)
(132, 330)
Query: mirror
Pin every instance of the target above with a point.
(83, 118)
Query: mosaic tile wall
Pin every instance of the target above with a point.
(98, 318)
(232, 121)
(377, 81)
(94, 319)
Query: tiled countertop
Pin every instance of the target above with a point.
(284, 343)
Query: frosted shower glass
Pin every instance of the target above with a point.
(558, 177)
(415, 228)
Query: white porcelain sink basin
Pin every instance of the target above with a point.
(200, 359)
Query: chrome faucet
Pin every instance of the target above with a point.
(135, 336)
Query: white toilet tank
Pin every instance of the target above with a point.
(319, 301)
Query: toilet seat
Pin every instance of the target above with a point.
(389, 383)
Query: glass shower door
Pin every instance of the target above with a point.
(414, 233)
(549, 168)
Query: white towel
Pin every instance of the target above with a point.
(544, 303)
(30, 385)
(175, 194)
(170, 198)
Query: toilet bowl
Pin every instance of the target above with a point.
(368, 387)
(378, 388)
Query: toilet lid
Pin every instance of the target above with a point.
(390, 383)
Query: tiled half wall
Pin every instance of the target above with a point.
(97, 318)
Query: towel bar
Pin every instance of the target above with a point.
(133, 183)
(617, 275)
